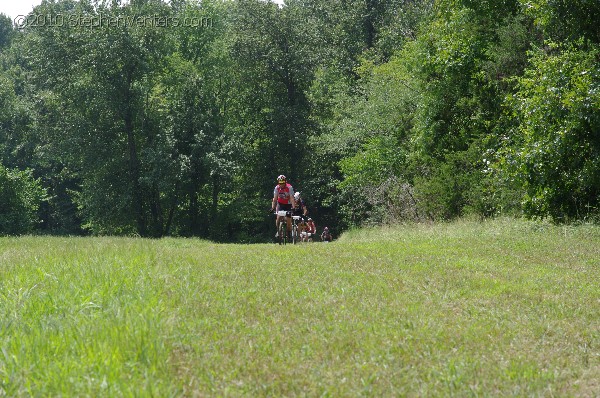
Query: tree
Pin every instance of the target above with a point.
(555, 148)
(20, 199)
(6, 31)
(107, 83)
(566, 20)
(272, 49)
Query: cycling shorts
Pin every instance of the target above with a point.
(286, 207)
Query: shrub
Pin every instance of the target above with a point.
(20, 198)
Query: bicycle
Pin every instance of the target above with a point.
(282, 229)
(295, 234)
(307, 237)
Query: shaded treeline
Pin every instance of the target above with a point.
(174, 118)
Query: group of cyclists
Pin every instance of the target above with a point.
(285, 199)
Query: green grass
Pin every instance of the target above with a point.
(501, 308)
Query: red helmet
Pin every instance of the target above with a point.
(281, 178)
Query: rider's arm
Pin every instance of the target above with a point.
(274, 202)
(292, 200)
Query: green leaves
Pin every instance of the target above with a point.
(20, 198)
(137, 126)
(557, 105)
(565, 19)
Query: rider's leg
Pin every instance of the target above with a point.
(277, 222)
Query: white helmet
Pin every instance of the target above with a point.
(297, 195)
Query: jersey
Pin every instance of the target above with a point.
(299, 211)
(300, 204)
(284, 194)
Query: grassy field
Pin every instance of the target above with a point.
(501, 308)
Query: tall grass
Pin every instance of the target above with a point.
(501, 308)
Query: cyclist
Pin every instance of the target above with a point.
(311, 228)
(283, 199)
(302, 231)
(326, 235)
(300, 209)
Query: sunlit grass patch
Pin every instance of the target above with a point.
(504, 307)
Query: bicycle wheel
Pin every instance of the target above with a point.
(282, 233)
(294, 234)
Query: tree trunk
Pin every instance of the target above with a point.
(215, 200)
(157, 227)
(134, 163)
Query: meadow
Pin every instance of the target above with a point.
(496, 308)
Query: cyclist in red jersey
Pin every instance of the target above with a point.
(311, 228)
(283, 199)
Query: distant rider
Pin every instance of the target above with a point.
(311, 228)
(326, 235)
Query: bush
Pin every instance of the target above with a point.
(557, 142)
(20, 198)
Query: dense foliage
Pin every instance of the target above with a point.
(20, 197)
(161, 118)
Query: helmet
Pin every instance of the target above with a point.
(309, 219)
(281, 178)
(326, 229)
(297, 195)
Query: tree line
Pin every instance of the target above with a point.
(378, 111)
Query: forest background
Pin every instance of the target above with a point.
(155, 118)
